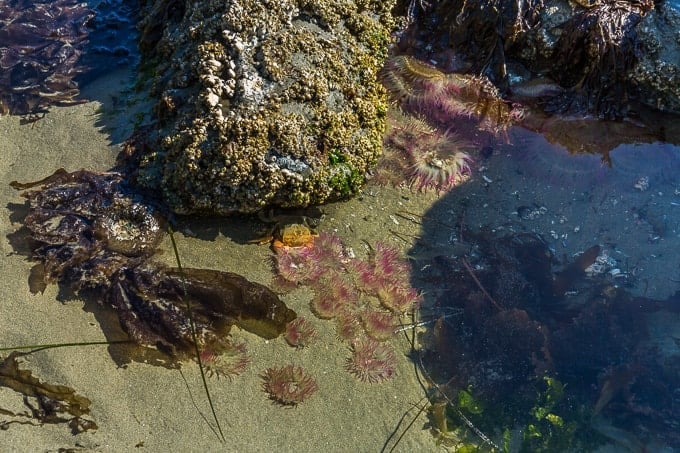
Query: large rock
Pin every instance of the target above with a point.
(657, 74)
(262, 102)
(606, 55)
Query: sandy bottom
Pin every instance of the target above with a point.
(166, 410)
(146, 408)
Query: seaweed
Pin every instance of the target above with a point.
(544, 346)
(594, 56)
(483, 30)
(42, 42)
(94, 234)
(47, 403)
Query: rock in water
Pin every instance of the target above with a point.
(260, 102)
(607, 56)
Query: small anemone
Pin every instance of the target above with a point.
(289, 385)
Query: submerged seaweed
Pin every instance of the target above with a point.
(594, 56)
(40, 47)
(524, 330)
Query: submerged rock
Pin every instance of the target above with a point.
(657, 75)
(261, 103)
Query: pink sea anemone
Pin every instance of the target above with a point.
(429, 157)
(300, 332)
(225, 359)
(298, 265)
(387, 263)
(289, 385)
(348, 326)
(398, 298)
(439, 162)
(333, 292)
(331, 251)
(371, 361)
(308, 264)
(379, 325)
(324, 305)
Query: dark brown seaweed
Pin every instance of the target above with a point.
(40, 45)
(93, 233)
(47, 403)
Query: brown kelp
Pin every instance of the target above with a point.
(545, 346)
(47, 403)
(483, 30)
(93, 233)
(594, 56)
(40, 46)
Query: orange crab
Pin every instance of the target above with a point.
(289, 231)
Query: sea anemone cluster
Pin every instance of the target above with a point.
(430, 158)
(40, 46)
(440, 120)
(288, 385)
(365, 298)
(447, 100)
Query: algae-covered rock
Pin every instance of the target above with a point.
(262, 103)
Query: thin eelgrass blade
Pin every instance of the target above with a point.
(194, 337)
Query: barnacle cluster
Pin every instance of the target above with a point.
(91, 231)
(262, 102)
(40, 46)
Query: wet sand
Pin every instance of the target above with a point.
(157, 409)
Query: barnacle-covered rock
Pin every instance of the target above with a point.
(262, 103)
(657, 74)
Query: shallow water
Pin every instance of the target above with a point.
(630, 209)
